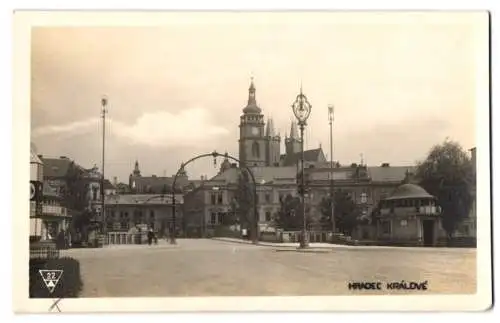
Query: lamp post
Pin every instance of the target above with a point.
(302, 109)
(332, 193)
(104, 103)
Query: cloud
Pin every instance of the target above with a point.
(72, 128)
(190, 127)
(165, 129)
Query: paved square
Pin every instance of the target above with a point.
(216, 268)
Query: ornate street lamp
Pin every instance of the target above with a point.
(331, 117)
(302, 109)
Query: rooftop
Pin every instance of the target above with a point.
(311, 155)
(406, 191)
(137, 199)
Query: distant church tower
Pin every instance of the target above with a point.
(252, 143)
(292, 143)
(273, 145)
(135, 173)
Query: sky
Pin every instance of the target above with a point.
(400, 83)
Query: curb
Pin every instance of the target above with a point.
(322, 250)
(281, 248)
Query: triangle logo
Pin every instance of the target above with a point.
(50, 278)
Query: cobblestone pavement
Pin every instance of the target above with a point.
(218, 268)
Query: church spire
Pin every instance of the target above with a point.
(137, 171)
(251, 93)
(252, 101)
(270, 128)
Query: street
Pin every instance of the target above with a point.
(215, 268)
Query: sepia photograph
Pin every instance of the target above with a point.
(252, 161)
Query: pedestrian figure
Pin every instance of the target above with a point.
(150, 236)
(155, 237)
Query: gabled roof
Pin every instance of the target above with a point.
(55, 167)
(389, 174)
(262, 175)
(311, 155)
(406, 191)
(33, 155)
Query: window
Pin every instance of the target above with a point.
(213, 218)
(219, 198)
(124, 225)
(404, 223)
(94, 193)
(386, 227)
(281, 196)
(268, 216)
(213, 198)
(364, 198)
(256, 149)
(220, 218)
(268, 198)
(152, 214)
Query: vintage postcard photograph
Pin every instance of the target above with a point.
(251, 161)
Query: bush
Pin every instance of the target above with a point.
(70, 284)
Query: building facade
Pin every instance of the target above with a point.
(409, 216)
(55, 217)
(127, 211)
(206, 206)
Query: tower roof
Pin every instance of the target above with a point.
(252, 107)
(406, 191)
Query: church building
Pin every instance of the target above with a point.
(260, 145)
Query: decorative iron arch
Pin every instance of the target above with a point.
(215, 154)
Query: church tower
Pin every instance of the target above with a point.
(292, 143)
(135, 173)
(252, 142)
(273, 142)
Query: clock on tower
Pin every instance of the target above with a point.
(255, 131)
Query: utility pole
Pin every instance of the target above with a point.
(104, 103)
(332, 193)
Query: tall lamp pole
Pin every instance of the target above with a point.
(302, 109)
(104, 103)
(332, 194)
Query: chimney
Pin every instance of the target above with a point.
(63, 157)
(40, 156)
(115, 180)
(386, 165)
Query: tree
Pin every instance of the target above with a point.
(447, 173)
(75, 190)
(345, 212)
(243, 200)
(290, 214)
